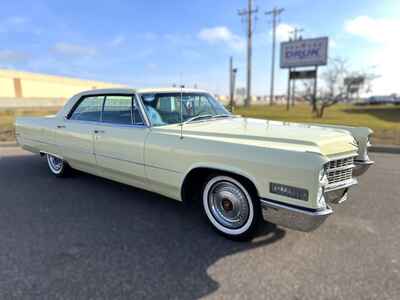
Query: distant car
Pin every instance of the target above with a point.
(185, 145)
(376, 100)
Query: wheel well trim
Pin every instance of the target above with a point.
(52, 154)
(217, 168)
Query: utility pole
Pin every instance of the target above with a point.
(232, 81)
(295, 32)
(275, 13)
(248, 14)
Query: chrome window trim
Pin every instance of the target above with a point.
(77, 102)
(101, 123)
(133, 120)
(106, 124)
(143, 110)
(102, 108)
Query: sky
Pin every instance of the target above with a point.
(159, 43)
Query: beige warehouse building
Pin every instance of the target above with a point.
(26, 85)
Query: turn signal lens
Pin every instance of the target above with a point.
(323, 177)
(321, 198)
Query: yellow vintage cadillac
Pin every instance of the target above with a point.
(185, 145)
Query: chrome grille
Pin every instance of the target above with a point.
(340, 170)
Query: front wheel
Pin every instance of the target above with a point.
(57, 165)
(231, 208)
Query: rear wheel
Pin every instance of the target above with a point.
(57, 165)
(231, 208)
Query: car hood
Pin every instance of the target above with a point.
(275, 134)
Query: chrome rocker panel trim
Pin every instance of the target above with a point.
(361, 167)
(292, 217)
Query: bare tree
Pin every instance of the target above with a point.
(338, 83)
(356, 82)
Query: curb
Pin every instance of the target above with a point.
(391, 149)
(8, 144)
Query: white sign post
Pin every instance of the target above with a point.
(304, 53)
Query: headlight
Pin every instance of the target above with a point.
(321, 197)
(323, 182)
(323, 176)
(364, 154)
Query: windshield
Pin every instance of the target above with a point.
(165, 108)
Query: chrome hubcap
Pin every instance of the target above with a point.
(56, 163)
(228, 204)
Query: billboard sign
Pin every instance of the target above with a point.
(304, 53)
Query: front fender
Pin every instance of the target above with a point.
(360, 134)
(298, 169)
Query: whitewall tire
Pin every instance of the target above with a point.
(57, 165)
(230, 207)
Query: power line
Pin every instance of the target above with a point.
(275, 13)
(248, 14)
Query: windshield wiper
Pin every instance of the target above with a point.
(197, 118)
(208, 116)
(222, 116)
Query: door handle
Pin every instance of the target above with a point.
(99, 131)
(60, 126)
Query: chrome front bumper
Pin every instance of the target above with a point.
(293, 217)
(337, 193)
(304, 219)
(361, 167)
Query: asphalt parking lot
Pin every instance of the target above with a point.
(88, 238)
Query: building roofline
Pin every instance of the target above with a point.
(10, 73)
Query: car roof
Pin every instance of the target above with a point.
(169, 90)
(107, 91)
(139, 91)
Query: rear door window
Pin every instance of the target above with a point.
(89, 109)
(118, 110)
